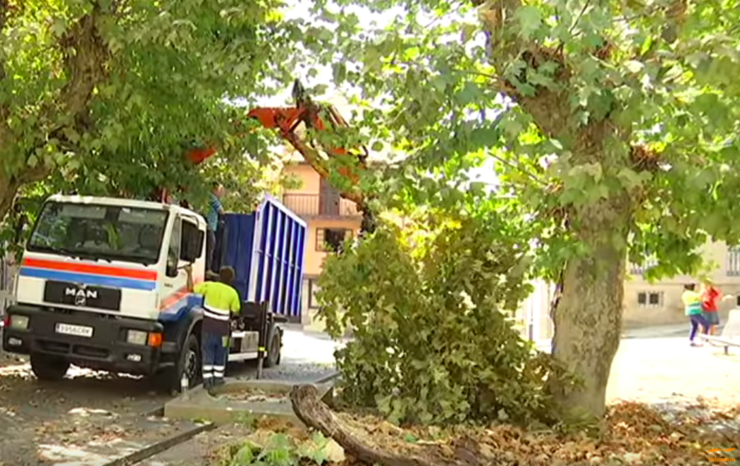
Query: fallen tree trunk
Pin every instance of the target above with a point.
(309, 408)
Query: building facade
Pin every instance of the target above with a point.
(330, 221)
(660, 303)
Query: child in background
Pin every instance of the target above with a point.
(710, 298)
(692, 307)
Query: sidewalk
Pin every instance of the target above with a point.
(660, 331)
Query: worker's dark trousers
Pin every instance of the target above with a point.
(210, 248)
(214, 359)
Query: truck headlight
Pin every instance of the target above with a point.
(136, 337)
(19, 322)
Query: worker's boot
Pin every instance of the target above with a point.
(213, 389)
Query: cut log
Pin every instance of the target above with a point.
(309, 408)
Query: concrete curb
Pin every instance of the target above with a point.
(156, 448)
(328, 378)
(198, 404)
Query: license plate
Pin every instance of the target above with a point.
(76, 330)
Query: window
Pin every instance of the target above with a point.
(733, 261)
(313, 288)
(173, 252)
(650, 299)
(110, 232)
(191, 241)
(331, 239)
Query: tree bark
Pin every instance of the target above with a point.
(309, 408)
(7, 195)
(85, 57)
(588, 316)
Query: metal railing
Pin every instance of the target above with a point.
(641, 269)
(315, 205)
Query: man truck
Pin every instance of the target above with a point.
(102, 285)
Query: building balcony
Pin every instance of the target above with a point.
(318, 206)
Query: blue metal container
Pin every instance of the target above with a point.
(266, 249)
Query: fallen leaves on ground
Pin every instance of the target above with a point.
(253, 395)
(633, 433)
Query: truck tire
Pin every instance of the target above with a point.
(188, 362)
(272, 358)
(48, 368)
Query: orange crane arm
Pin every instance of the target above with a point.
(286, 120)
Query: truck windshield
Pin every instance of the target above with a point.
(91, 231)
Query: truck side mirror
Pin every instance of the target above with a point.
(192, 242)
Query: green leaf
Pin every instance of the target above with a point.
(244, 456)
(530, 20)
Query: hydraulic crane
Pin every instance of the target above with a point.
(321, 117)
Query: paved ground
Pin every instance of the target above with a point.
(66, 423)
(655, 369)
(647, 368)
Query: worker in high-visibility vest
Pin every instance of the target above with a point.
(220, 300)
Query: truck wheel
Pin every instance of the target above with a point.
(48, 368)
(273, 351)
(188, 363)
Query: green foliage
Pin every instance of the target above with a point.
(650, 85)
(612, 124)
(431, 307)
(103, 97)
(281, 450)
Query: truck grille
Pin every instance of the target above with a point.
(86, 351)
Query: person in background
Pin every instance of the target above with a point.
(692, 307)
(214, 210)
(220, 300)
(710, 298)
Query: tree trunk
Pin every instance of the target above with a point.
(358, 444)
(588, 316)
(369, 221)
(8, 191)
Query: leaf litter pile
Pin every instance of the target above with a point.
(255, 395)
(633, 433)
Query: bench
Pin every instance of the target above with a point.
(723, 342)
(730, 333)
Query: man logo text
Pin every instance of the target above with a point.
(81, 295)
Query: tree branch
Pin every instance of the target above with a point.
(580, 15)
(4, 14)
(309, 408)
(4, 108)
(85, 61)
(313, 158)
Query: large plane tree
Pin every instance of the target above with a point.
(612, 125)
